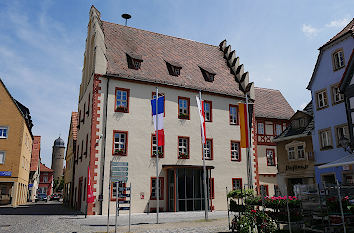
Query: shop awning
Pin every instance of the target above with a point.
(348, 160)
(169, 166)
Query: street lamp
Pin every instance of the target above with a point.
(345, 144)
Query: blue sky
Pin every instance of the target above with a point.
(42, 45)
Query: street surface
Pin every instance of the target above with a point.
(54, 217)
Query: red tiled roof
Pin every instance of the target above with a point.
(156, 49)
(271, 103)
(74, 122)
(346, 29)
(36, 148)
(43, 168)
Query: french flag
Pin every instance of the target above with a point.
(158, 117)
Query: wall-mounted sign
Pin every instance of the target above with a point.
(296, 167)
(142, 195)
(5, 173)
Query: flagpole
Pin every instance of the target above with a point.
(249, 160)
(204, 170)
(157, 184)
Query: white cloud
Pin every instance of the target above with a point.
(39, 66)
(309, 31)
(339, 23)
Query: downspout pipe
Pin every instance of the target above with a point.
(103, 155)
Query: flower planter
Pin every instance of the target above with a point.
(183, 116)
(183, 156)
(160, 154)
(119, 152)
(122, 109)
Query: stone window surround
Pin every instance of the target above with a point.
(330, 136)
(4, 156)
(333, 95)
(336, 132)
(333, 59)
(7, 131)
(295, 145)
(316, 97)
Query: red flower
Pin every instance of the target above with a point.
(253, 211)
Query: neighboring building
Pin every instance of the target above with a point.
(58, 158)
(272, 113)
(45, 180)
(15, 149)
(34, 171)
(122, 67)
(347, 88)
(70, 160)
(295, 152)
(328, 106)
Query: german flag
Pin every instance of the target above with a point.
(243, 125)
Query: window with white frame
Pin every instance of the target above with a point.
(321, 99)
(120, 143)
(341, 131)
(337, 97)
(183, 147)
(154, 147)
(183, 108)
(208, 147)
(122, 96)
(338, 59)
(3, 132)
(260, 128)
(291, 153)
(325, 139)
(2, 157)
(236, 183)
(235, 151)
(207, 110)
(270, 157)
(153, 188)
(233, 114)
(300, 152)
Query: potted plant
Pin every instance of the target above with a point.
(160, 154)
(183, 116)
(122, 108)
(183, 155)
(119, 151)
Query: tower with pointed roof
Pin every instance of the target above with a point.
(58, 158)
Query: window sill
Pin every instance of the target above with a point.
(183, 157)
(336, 103)
(160, 156)
(234, 124)
(119, 154)
(123, 110)
(183, 117)
(234, 160)
(321, 108)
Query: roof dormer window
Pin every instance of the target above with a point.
(208, 74)
(173, 68)
(134, 61)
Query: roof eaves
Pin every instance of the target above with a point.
(142, 79)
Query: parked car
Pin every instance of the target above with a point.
(41, 197)
(54, 197)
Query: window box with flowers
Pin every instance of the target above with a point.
(183, 156)
(160, 154)
(119, 152)
(121, 108)
(183, 116)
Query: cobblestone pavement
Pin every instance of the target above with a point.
(54, 217)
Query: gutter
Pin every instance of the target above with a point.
(289, 138)
(103, 155)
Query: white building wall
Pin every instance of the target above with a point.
(138, 122)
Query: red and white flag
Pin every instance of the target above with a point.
(90, 198)
(200, 104)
